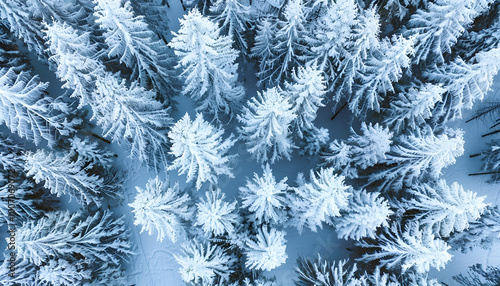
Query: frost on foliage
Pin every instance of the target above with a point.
(261, 281)
(263, 49)
(306, 93)
(332, 33)
(24, 204)
(318, 201)
(61, 272)
(479, 275)
(412, 249)
(411, 108)
(484, 232)
(129, 38)
(199, 150)
(10, 54)
(322, 272)
(367, 212)
(265, 198)
(315, 141)
(204, 263)
(162, 208)
(338, 155)
(437, 28)
(74, 56)
(98, 237)
(444, 208)
(62, 175)
(72, 12)
(267, 250)
(421, 153)
(91, 152)
(21, 278)
(215, 215)
(465, 82)
(370, 148)
(420, 279)
(25, 108)
(207, 62)
(10, 154)
(235, 19)
(266, 124)
(490, 158)
(383, 67)
(131, 116)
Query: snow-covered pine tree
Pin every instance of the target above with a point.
(465, 82)
(315, 141)
(266, 125)
(490, 159)
(383, 67)
(263, 49)
(10, 54)
(306, 93)
(22, 278)
(129, 38)
(26, 110)
(338, 155)
(323, 272)
(235, 18)
(200, 151)
(412, 249)
(131, 116)
(154, 12)
(477, 275)
(10, 155)
(265, 198)
(267, 250)
(367, 211)
(332, 33)
(60, 272)
(318, 201)
(444, 208)
(289, 47)
(216, 216)
(208, 65)
(163, 208)
(484, 232)
(365, 36)
(74, 56)
(411, 108)
(421, 153)
(204, 263)
(370, 148)
(71, 12)
(62, 175)
(98, 237)
(437, 28)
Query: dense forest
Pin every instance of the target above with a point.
(84, 83)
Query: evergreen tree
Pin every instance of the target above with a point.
(204, 263)
(266, 123)
(215, 215)
(315, 141)
(199, 150)
(478, 276)
(263, 49)
(235, 19)
(306, 93)
(161, 207)
(366, 213)
(61, 272)
(445, 208)
(267, 250)
(207, 62)
(322, 272)
(491, 160)
(320, 200)
(412, 249)
(265, 198)
(370, 148)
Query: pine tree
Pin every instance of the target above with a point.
(366, 213)
(71, 12)
(129, 38)
(383, 67)
(207, 62)
(478, 276)
(338, 155)
(322, 272)
(162, 208)
(370, 148)
(204, 263)
(98, 237)
(235, 19)
(413, 107)
(199, 150)
(491, 160)
(412, 249)
(10, 155)
(444, 208)
(215, 215)
(315, 141)
(267, 251)
(63, 175)
(266, 123)
(306, 92)
(415, 155)
(60, 272)
(26, 110)
(265, 198)
(320, 200)
(484, 232)
(131, 116)
(263, 49)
